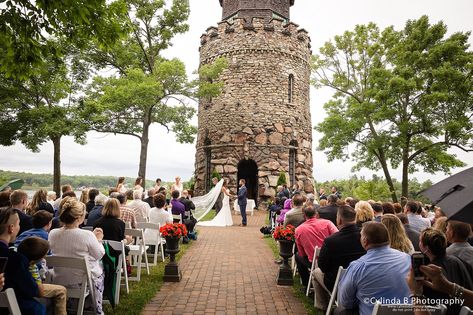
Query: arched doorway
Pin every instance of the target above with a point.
(248, 170)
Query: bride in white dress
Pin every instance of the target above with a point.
(224, 217)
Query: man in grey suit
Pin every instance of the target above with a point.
(242, 201)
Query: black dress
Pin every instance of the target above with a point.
(113, 228)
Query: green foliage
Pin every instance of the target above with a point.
(402, 98)
(281, 179)
(375, 188)
(216, 174)
(27, 29)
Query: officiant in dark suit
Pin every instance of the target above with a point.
(242, 201)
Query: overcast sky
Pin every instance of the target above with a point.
(119, 155)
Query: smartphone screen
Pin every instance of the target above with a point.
(418, 259)
(3, 264)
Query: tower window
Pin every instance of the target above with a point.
(292, 162)
(290, 90)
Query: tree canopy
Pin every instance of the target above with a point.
(402, 98)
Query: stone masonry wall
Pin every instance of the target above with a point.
(252, 118)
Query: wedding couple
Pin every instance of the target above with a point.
(221, 194)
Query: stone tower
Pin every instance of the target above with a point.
(260, 125)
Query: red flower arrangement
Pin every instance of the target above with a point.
(287, 233)
(173, 230)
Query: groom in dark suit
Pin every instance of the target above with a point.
(242, 200)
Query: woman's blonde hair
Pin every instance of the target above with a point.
(111, 208)
(84, 196)
(397, 235)
(71, 209)
(323, 202)
(364, 212)
(441, 224)
(39, 196)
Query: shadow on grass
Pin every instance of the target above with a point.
(143, 291)
(297, 287)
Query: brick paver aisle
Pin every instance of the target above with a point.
(227, 270)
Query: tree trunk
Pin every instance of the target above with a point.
(57, 165)
(144, 153)
(389, 180)
(405, 176)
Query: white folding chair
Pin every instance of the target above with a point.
(396, 309)
(88, 228)
(157, 240)
(312, 268)
(137, 250)
(293, 261)
(8, 299)
(121, 268)
(465, 310)
(333, 295)
(177, 217)
(85, 288)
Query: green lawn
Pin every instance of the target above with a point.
(142, 292)
(209, 216)
(297, 287)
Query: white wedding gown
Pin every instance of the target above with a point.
(223, 218)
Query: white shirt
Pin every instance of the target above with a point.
(157, 216)
(141, 209)
(417, 222)
(76, 243)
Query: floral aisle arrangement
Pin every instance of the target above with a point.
(174, 230)
(172, 233)
(287, 233)
(286, 237)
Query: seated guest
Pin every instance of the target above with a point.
(84, 197)
(91, 203)
(19, 201)
(329, 212)
(416, 221)
(177, 206)
(127, 214)
(458, 234)
(287, 206)
(323, 202)
(377, 211)
(339, 249)
(187, 203)
(397, 235)
(274, 209)
(113, 228)
(309, 234)
(96, 213)
(51, 198)
(158, 215)
(412, 234)
(369, 277)
(140, 207)
(441, 224)
(352, 203)
(149, 199)
(57, 202)
(433, 244)
(35, 250)
(5, 199)
(42, 221)
(39, 202)
(295, 216)
(71, 241)
(388, 208)
(17, 275)
(397, 208)
(364, 212)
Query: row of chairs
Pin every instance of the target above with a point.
(137, 250)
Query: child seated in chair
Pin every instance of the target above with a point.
(35, 249)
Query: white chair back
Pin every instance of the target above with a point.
(8, 299)
(88, 228)
(333, 295)
(121, 267)
(85, 287)
(312, 268)
(137, 250)
(157, 240)
(177, 217)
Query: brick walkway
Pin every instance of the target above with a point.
(227, 270)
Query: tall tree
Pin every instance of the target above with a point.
(42, 109)
(147, 87)
(27, 29)
(402, 98)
